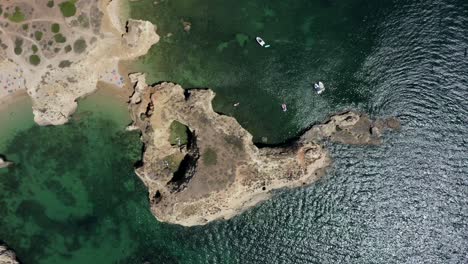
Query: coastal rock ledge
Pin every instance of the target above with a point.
(7, 256)
(201, 166)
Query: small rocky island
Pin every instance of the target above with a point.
(201, 166)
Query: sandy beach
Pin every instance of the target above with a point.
(7, 101)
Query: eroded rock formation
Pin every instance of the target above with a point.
(200, 166)
(7, 256)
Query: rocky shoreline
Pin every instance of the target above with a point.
(7, 256)
(200, 166)
(4, 163)
(61, 78)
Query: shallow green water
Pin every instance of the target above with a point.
(310, 41)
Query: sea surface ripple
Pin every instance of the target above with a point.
(405, 201)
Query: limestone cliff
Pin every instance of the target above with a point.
(200, 166)
(7, 256)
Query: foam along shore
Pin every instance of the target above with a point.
(58, 79)
(201, 166)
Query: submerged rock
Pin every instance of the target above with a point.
(7, 256)
(217, 172)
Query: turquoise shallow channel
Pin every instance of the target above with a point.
(73, 197)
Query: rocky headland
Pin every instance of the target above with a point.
(201, 166)
(198, 165)
(7, 256)
(351, 128)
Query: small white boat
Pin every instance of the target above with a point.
(261, 42)
(284, 107)
(319, 87)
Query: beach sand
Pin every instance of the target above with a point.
(15, 115)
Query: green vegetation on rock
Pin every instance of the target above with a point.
(25, 27)
(17, 16)
(59, 38)
(210, 157)
(50, 3)
(79, 46)
(55, 28)
(38, 35)
(178, 133)
(68, 48)
(34, 60)
(34, 49)
(68, 8)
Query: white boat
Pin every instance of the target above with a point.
(319, 87)
(261, 42)
(284, 107)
